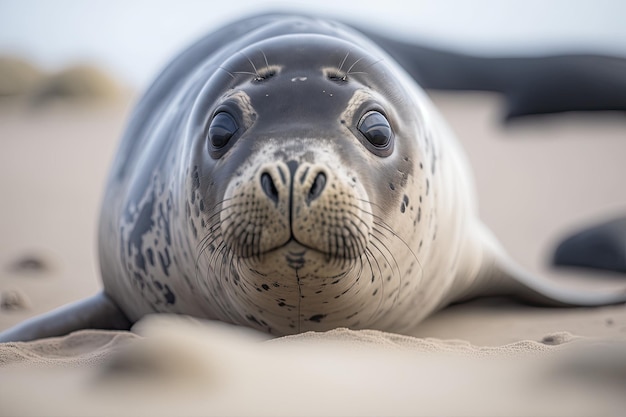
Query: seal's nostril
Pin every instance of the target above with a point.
(318, 186)
(268, 187)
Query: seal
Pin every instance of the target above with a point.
(285, 173)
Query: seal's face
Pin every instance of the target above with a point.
(301, 150)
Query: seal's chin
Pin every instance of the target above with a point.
(294, 257)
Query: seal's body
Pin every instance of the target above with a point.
(297, 222)
(286, 174)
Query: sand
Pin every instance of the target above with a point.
(537, 180)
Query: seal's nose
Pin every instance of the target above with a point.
(303, 184)
(317, 187)
(268, 186)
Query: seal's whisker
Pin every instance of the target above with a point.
(229, 73)
(352, 66)
(379, 221)
(371, 65)
(362, 243)
(256, 72)
(381, 280)
(233, 231)
(344, 61)
(265, 57)
(246, 73)
(223, 261)
(390, 255)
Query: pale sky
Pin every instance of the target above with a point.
(133, 39)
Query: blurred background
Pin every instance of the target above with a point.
(133, 39)
(71, 70)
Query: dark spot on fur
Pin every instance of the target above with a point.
(164, 220)
(195, 179)
(150, 254)
(165, 261)
(405, 203)
(253, 319)
(317, 317)
(265, 287)
(170, 298)
(143, 224)
(391, 186)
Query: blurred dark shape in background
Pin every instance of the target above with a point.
(83, 82)
(532, 85)
(602, 246)
(20, 79)
(17, 77)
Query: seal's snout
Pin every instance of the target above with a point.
(300, 201)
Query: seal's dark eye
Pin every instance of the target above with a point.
(222, 128)
(375, 127)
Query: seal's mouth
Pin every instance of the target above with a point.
(297, 255)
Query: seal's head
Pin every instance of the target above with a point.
(303, 146)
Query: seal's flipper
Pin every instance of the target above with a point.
(501, 275)
(544, 292)
(98, 312)
(555, 87)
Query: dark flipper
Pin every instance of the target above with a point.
(531, 84)
(601, 247)
(97, 312)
